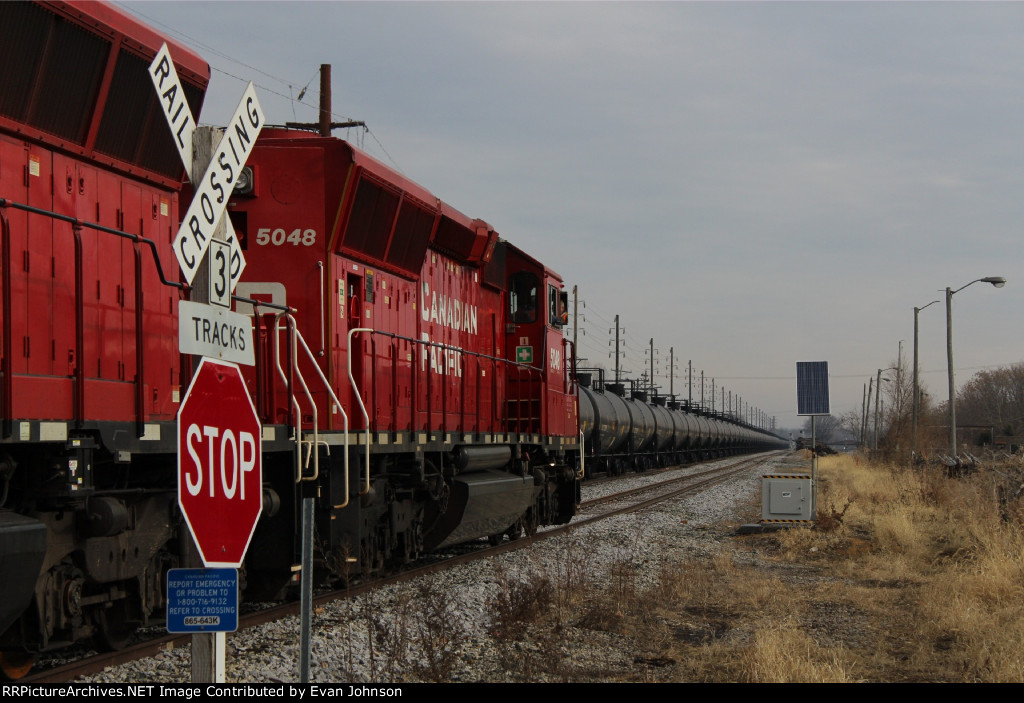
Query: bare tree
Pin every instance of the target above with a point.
(994, 397)
(896, 398)
(827, 429)
(850, 422)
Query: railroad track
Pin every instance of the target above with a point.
(621, 502)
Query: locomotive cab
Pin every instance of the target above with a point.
(542, 396)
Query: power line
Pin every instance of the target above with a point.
(213, 50)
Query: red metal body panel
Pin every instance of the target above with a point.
(455, 310)
(398, 262)
(44, 302)
(95, 71)
(127, 368)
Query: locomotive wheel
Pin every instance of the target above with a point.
(16, 665)
(115, 627)
(495, 540)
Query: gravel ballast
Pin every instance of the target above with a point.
(458, 641)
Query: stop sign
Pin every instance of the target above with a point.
(220, 470)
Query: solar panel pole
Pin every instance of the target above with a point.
(814, 472)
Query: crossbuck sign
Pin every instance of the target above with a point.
(214, 188)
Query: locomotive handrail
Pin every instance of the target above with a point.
(7, 402)
(74, 221)
(295, 340)
(77, 225)
(7, 399)
(520, 367)
(341, 408)
(323, 311)
(293, 401)
(362, 406)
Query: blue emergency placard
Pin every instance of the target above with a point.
(202, 600)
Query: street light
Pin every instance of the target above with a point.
(917, 393)
(998, 282)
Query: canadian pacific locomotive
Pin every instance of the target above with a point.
(411, 370)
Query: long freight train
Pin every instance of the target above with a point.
(411, 369)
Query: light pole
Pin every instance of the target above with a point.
(865, 435)
(878, 394)
(917, 400)
(998, 282)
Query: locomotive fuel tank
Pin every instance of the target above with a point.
(482, 503)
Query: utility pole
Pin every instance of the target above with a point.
(616, 348)
(672, 373)
(863, 401)
(575, 324)
(652, 367)
(689, 397)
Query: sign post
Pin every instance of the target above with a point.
(218, 428)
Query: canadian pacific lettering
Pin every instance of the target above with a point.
(448, 312)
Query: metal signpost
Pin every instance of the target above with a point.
(219, 434)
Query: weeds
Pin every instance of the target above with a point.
(439, 634)
(519, 604)
(830, 519)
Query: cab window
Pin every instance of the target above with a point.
(522, 297)
(558, 307)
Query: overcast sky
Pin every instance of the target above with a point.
(751, 184)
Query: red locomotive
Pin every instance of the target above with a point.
(411, 372)
(421, 327)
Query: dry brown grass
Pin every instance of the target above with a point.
(913, 576)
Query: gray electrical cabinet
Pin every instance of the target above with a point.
(787, 498)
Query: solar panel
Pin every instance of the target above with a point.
(812, 388)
